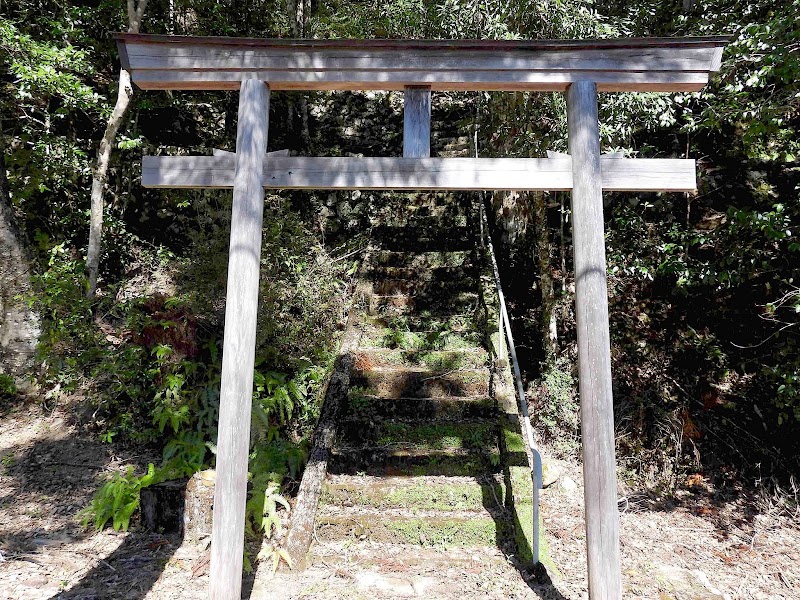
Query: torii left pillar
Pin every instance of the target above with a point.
(239, 345)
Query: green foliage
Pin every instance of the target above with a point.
(118, 499)
(269, 465)
(556, 406)
(8, 388)
(279, 401)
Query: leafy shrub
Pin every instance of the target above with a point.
(556, 408)
(118, 499)
(8, 388)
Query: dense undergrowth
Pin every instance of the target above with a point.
(147, 365)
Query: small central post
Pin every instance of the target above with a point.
(239, 345)
(417, 122)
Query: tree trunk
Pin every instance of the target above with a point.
(100, 176)
(19, 325)
(549, 316)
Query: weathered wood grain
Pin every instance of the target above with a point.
(594, 346)
(197, 57)
(174, 62)
(238, 353)
(655, 174)
(417, 122)
(451, 80)
(301, 527)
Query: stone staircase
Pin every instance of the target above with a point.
(425, 491)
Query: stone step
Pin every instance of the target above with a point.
(415, 493)
(417, 382)
(431, 288)
(417, 434)
(403, 304)
(468, 321)
(437, 360)
(443, 408)
(435, 529)
(420, 259)
(462, 273)
(381, 461)
(376, 336)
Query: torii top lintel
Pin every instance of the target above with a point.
(615, 65)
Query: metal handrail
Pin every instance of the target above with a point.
(505, 328)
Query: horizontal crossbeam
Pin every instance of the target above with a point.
(655, 64)
(554, 174)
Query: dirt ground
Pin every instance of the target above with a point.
(701, 545)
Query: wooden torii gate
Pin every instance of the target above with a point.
(579, 68)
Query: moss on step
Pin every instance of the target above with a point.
(421, 383)
(475, 495)
(441, 532)
(420, 259)
(426, 274)
(429, 289)
(435, 360)
(381, 461)
(442, 408)
(402, 304)
(419, 435)
(394, 338)
(438, 436)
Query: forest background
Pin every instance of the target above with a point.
(704, 287)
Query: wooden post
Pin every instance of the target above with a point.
(417, 122)
(238, 353)
(594, 347)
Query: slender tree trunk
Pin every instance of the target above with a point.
(5, 191)
(100, 176)
(549, 316)
(299, 12)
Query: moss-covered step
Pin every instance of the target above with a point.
(394, 338)
(440, 530)
(383, 461)
(431, 290)
(370, 430)
(423, 305)
(512, 443)
(414, 493)
(461, 273)
(442, 408)
(419, 259)
(429, 287)
(418, 382)
(438, 360)
(469, 321)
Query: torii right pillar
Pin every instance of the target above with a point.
(594, 345)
